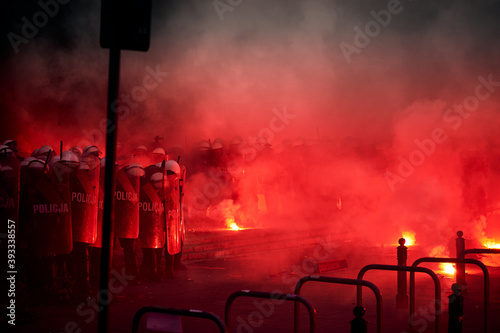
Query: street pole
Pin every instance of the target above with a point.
(109, 185)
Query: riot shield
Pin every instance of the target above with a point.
(100, 209)
(50, 202)
(151, 211)
(173, 217)
(181, 202)
(9, 198)
(31, 172)
(127, 192)
(84, 184)
(9, 187)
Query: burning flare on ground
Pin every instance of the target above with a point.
(490, 260)
(231, 224)
(226, 211)
(447, 269)
(490, 243)
(409, 237)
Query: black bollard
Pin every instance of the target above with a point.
(358, 324)
(455, 309)
(460, 247)
(402, 296)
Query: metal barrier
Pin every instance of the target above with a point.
(486, 276)
(492, 251)
(179, 312)
(328, 279)
(402, 295)
(412, 270)
(460, 268)
(461, 253)
(268, 295)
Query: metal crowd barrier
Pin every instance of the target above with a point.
(486, 276)
(179, 312)
(412, 270)
(337, 280)
(268, 295)
(480, 251)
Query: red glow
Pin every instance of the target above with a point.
(447, 269)
(494, 259)
(409, 237)
(490, 243)
(231, 224)
(342, 124)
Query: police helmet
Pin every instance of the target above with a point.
(135, 169)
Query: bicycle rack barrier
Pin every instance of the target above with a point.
(492, 251)
(179, 312)
(402, 295)
(486, 276)
(268, 295)
(329, 279)
(412, 270)
(461, 253)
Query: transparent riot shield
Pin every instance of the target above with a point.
(100, 209)
(173, 217)
(127, 192)
(84, 184)
(50, 199)
(151, 211)
(9, 187)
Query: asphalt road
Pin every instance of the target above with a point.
(206, 285)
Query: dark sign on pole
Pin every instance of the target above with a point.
(126, 24)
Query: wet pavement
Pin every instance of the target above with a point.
(206, 285)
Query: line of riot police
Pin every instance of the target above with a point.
(57, 203)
